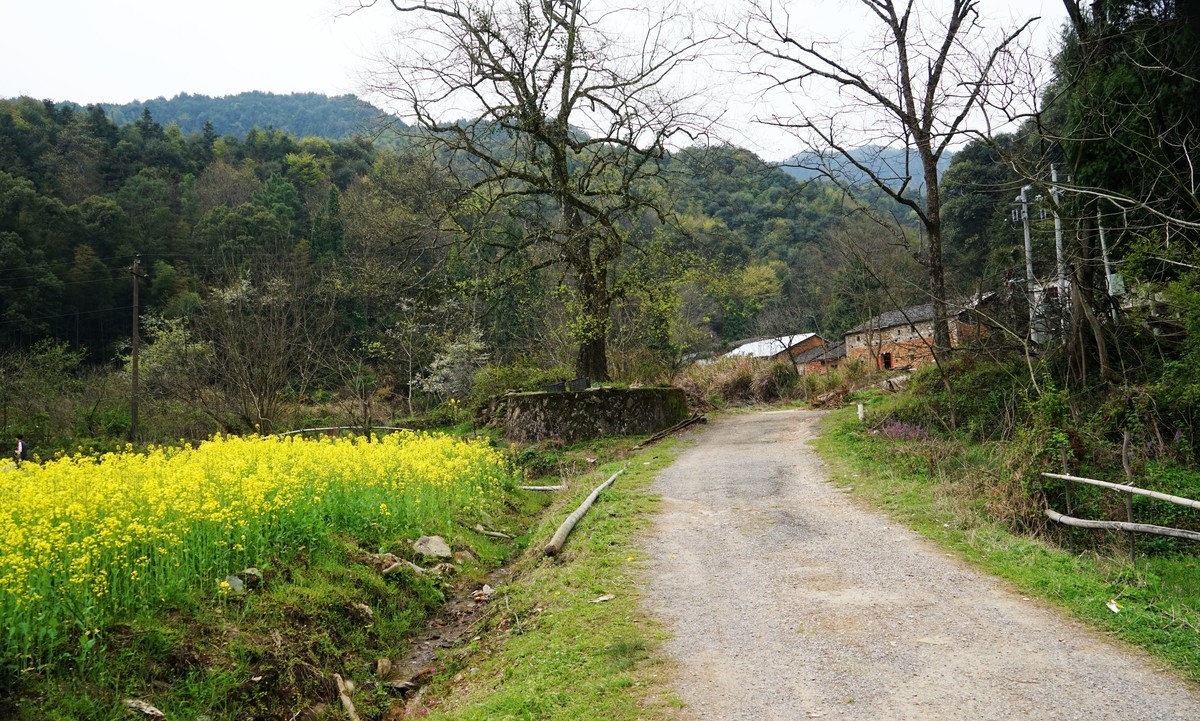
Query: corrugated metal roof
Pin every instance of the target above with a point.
(769, 346)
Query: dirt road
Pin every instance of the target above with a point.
(788, 601)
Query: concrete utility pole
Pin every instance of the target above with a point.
(1030, 281)
(1108, 274)
(133, 366)
(1056, 195)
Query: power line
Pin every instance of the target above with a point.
(44, 265)
(67, 315)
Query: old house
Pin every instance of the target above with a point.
(903, 339)
(822, 358)
(781, 348)
(897, 339)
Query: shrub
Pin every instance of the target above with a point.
(496, 380)
(776, 381)
(734, 380)
(979, 399)
(452, 372)
(737, 381)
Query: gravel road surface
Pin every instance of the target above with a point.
(789, 601)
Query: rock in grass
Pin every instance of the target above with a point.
(363, 612)
(314, 714)
(444, 569)
(252, 577)
(403, 689)
(144, 708)
(433, 547)
(236, 585)
(383, 560)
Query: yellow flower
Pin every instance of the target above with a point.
(108, 532)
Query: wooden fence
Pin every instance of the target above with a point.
(328, 429)
(1127, 525)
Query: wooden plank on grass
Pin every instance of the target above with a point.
(1127, 489)
(1122, 526)
(560, 536)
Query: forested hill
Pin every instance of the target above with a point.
(890, 164)
(299, 114)
(80, 195)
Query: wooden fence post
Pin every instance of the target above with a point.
(1128, 466)
(1070, 511)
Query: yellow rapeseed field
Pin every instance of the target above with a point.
(84, 540)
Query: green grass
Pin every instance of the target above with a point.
(549, 652)
(946, 499)
(200, 658)
(545, 651)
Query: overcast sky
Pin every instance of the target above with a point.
(123, 50)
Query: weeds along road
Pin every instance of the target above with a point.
(788, 601)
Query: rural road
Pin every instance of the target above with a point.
(788, 601)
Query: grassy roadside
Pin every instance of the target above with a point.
(551, 648)
(1159, 598)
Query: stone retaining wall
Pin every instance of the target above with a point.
(573, 417)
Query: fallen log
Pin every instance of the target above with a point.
(560, 536)
(696, 418)
(403, 564)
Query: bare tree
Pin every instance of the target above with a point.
(269, 330)
(569, 120)
(913, 90)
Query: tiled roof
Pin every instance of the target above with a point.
(893, 318)
(918, 314)
(826, 353)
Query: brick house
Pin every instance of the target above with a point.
(780, 348)
(903, 339)
(822, 358)
(899, 339)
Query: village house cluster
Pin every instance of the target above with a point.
(896, 340)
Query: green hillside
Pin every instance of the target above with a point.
(300, 114)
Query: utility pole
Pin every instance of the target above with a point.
(1030, 281)
(1056, 195)
(133, 367)
(1108, 274)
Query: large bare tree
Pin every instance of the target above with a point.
(568, 112)
(269, 330)
(908, 96)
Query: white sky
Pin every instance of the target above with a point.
(123, 50)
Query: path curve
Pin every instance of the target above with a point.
(788, 601)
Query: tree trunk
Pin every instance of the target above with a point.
(937, 273)
(592, 361)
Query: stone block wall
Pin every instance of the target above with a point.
(581, 416)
